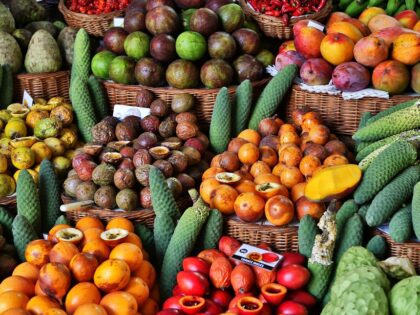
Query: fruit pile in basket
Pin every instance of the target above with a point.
(113, 170)
(265, 172)
(96, 6)
(375, 49)
(206, 43)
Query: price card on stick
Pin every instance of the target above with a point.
(122, 111)
(27, 101)
(118, 22)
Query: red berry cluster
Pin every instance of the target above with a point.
(96, 6)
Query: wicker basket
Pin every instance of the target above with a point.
(144, 216)
(409, 250)
(126, 95)
(274, 27)
(282, 239)
(340, 115)
(45, 85)
(9, 201)
(95, 25)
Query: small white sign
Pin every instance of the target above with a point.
(122, 111)
(118, 22)
(27, 101)
(255, 256)
(316, 25)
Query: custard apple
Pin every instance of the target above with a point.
(355, 257)
(404, 298)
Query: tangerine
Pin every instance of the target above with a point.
(308, 165)
(207, 187)
(249, 153)
(138, 288)
(287, 128)
(18, 283)
(39, 305)
(268, 155)
(249, 207)
(259, 168)
(336, 159)
(54, 280)
(133, 238)
(63, 252)
(250, 135)
(290, 137)
(298, 191)
(98, 248)
(279, 210)
(83, 266)
(278, 169)
(146, 272)
(290, 156)
(91, 309)
(91, 234)
(223, 199)
(319, 134)
(291, 176)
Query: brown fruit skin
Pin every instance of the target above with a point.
(159, 108)
(187, 181)
(83, 266)
(150, 123)
(124, 178)
(134, 122)
(105, 197)
(271, 141)
(165, 167)
(179, 161)
(196, 144)
(142, 157)
(229, 161)
(305, 206)
(167, 128)
(144, 98)
(336, 147)
(146, 140)
(162, 48)
(186, 130)
(192, 154)
(125, 132)
(145, 198)
(316, 150)
(268, 126)
(235, 144)
(186, 117)
(142, 174)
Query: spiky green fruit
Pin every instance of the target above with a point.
(221, 121)
(352, 235)
(378, 246)
(400, 227)
(242, 107)
(306, 235)
(23, 233)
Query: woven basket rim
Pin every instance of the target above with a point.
(293, 19)
(409, 244)
(66, 11)
(272, 228)
(43, 75)
(171, 90)
(8, 200)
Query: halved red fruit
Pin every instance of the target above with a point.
(249, 305)
(192, 304)
(273, 293)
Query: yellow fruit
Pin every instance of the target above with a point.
(56, 145)
(3, 163)
(5, 147)
(58, 100)
(34, 116)
(22, 158)
(40, 100)
(7, 185)
(69, 137)
(37, 168)
(61, 165)
(41, 151)
(63, 113)
(70, 154)
(33, 173)
(5, 116)
(15, 128)
(26, 142)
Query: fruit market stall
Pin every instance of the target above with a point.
(173, 157)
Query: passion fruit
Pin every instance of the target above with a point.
(127, 199)
(105, 197)
(92, 149)
(113, 237)
(71, 235)
(159, 152)
(15, 128)
(175, 186)
(182, 102)
(165, 167)
(112, 158)
(63, 114)
(47, 128)
(173, 143)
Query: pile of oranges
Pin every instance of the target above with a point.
(88, 275)
(264, 172)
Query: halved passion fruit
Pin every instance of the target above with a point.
(192, 304)
(70, 235)
(26, 142)
(273, 293)
(113, 237)
(268, 190)
(228, 178)
(92, 149)
(112, 157)
(249, 305)
(172, 143)
(18, 110)
(159, 152)
(118, 145)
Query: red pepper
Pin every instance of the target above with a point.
(285, 19)
(320, 5)
(300, 11)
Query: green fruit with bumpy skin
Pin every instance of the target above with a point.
(23, 233)
(191, 46)
(121, 70)
(136, 45)
(416, 210)
(220, 125)
(404, 297)
(354, 258)
(306, 235)
(232, 17)
(27, 200)
(47, 128)
(352, 235)
(212, 231)
(378, 246)
(101, 62)
(400, 228)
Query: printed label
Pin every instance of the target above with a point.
(118, 22)
(122, 111)
(255, 256)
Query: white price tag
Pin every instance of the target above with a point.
(118, 22)
(316, 25)
(122, 111)
(27, 101)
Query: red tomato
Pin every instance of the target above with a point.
(302, 297)
(172, 303)
(292, 259)
(235, 300)
(192, 283)
(171, 312)
(291, 308)
(221, 298)
(228, 245)
(293, 277)
(196, 264)
(212, 308)
(177, 291)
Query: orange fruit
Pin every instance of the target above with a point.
(98, 248)
(128, 252)
(38, 252)
(290, 137)
(120, 223)
(39, 305)
(155, 293)
(286, 128)
(211, 172)
(268, 190)
(336, 159)
(248, 153)
(55, 229)
(112, 275)
(119, 303)
(91, 234)
(89, 222)
(18, 283)
(134, 239)
(298, 191)
(223, 199)
(207, 187)
(81, 293)
(268, 155)
(250, 135)
(16, 311)
(245, 186)
(308, 165)
(266, 178)
(38, 290)
(150, 307)
(55, 311)
(279, 210)
(278, 169)
(319, 134)
(27, 270)
(290, 155)
(12, 299)
(291, 176)
(249, 207)
(91, 309)
(63, 252)
(138, 288)
(55, 279)
(146, 272)
(83, 266)
(259, 168)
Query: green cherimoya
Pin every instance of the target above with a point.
(367, 274)
(355, 257)
(404, 298)
(359, 298)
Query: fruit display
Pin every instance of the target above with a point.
(96, 6)
(213, 283)
(374, 50)
(30, 135)
(286, 9)
(38, 46)
(183, 44)
(390, 7)
(271, 172)
(90, 268)
(113, 170)
(8, 259)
